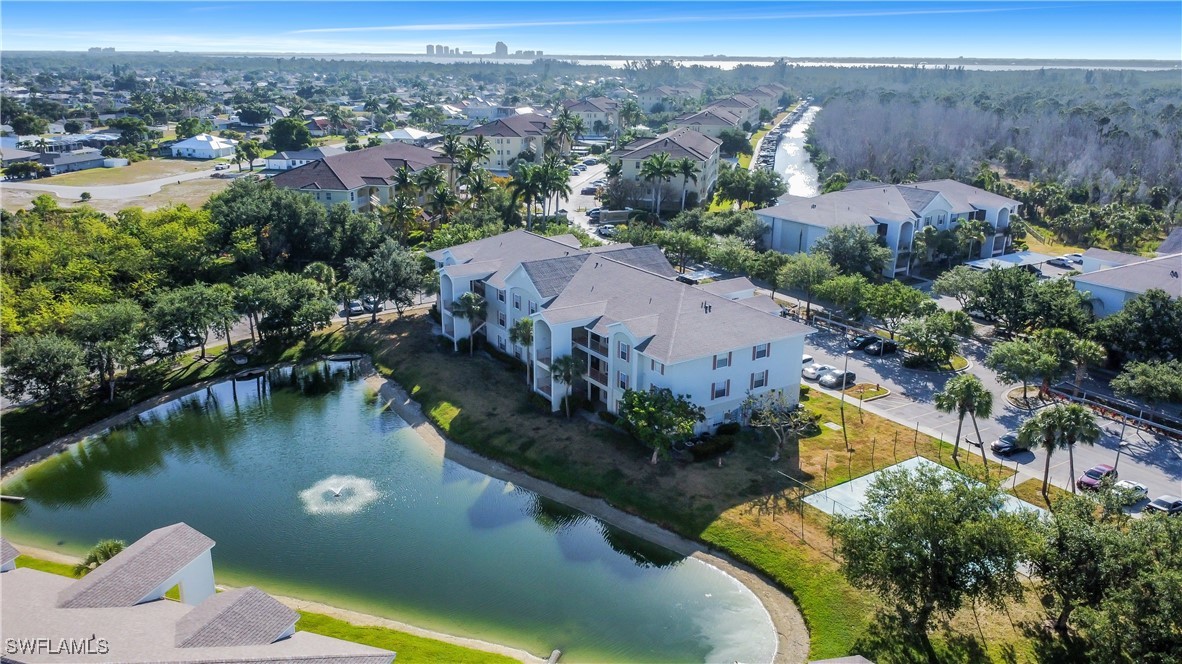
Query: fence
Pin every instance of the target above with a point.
(1155, 422)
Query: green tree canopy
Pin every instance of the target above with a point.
(854, 250)
(1152, 382)
(289, 134)
(806, 272)
(46, 367)
(658, 417)
(894, 302)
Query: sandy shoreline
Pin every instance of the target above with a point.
(792, 635)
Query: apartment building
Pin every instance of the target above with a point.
(363, 178)
(672, 96)
(702, 148)
(511, 136)
(622, 313)
(741, 105)
(600, 115)
(711, 122)
(894, 212)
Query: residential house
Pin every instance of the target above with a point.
(511, 136)
(600, 115)
(287, 160)
(318, 126)
(621, 311)
(118, 612)
(364, 179)
(1102, 259)
(1112, 287)
(767, 96)
(204, 146)
(894, 212)
(9, 156)
(409, 135)
(68, 162)
(711, 121)
(669, 95)
(741, 105)
(679, 143)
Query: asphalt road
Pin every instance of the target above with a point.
(1155, 462)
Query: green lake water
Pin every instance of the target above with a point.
(254, 464)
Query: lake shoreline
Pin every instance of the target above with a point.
(791, 632)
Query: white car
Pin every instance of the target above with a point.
(1135, 490)
(815, 371)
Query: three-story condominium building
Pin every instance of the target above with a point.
(621, 312)
(363, 178)
(600, 115)
(711, 121)
(894, 212)
(511, 137)
(678, 144)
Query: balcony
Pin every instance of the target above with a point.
(592, 342)
(544, 356)
(597, 376)
(546, 389)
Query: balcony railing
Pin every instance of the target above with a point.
(544, 355)
(584, 339)
(546, 389)
(597, 376)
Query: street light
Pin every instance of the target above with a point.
(845, 436)
(1120, 447)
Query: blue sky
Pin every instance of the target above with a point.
(1006, 29)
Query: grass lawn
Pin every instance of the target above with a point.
(410, 648)
(140, 171)
(1052, 248)
(745, 508)
(1031, 492)
(193, 193)
(865, 391)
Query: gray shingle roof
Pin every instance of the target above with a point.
(128, 577)
(8, 552)
(501, 254)
(649, 258)
(524, 125)
(1109, 256)
(310, 153)
(351, 170)
(552, 275)
(1164, 273)
(684, 142)
(241, 617)
(711, 116)
(1172, 244)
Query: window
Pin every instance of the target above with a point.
(516, 301)
(622, 380)
(501, 296)
(501, 318)
(759, 379)
(722, 361)
(351, 194)
(941, 218)
(533, 307)
(657, 367)
(927, 221)
(501, 343)
(624, 349)
(761, 351)
(720, 390)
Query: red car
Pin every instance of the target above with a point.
(1092, 477)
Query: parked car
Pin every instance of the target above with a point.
(1136, 491)
(599, 183)
(805, 360)
(606, 230)
(882, 347)
(371, 304)
(589, 191)
(591, 161)
(1061, 261)
(1166, 504)
(355, 308)
(838, 379)
(1076, 258)
(861, 341)
(221, 167)
(1007, 445)
(814, 371)
(1093, 477)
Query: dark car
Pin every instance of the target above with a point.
(1093, 477)
(861, 341)
(882, 347)
(1165, 504)
(1007, 445)
(589, 191)
(838, 379)
(371, 304)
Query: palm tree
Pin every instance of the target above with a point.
(336, 119)
(345, 292)
(555, 181)
(400, 215)
(615, 168)
(630, 113)
(657, 170)
(393, 106)
(522, 334)
(1077, 424)
(443, 201)
(562, 130)
(429, 179)
(1059, 426)
(479, 183)
(471, 307)
(453, 148)
(566, 370)
(321, 273)
(98, 554)
(1085, 352)
(577, 128)
(405, 182)
(527, 186)
(479, 149)
(688, 169)
(965, 395)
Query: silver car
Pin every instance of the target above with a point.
(815, 371)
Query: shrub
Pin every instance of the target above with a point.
(712, 447)
(577, 401)
(435, 315)
(804, 391)
(539, 403)
(914, 362)
(728, 429)
(85, 196)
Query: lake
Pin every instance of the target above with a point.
(310, 489)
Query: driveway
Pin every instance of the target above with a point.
(110, 191)
(1155, 462)
(578, 204)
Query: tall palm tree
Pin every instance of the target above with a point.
(657, 170)
(615, 168)
(393, 106)
(453, 148)
(965, 395)
(1077, 424)
(443, 201)
(479, 183)
(322, 273)
(630, 113)
(405, 182)
(522, 334)
(98, 554)
(527, 187)
(336, 119)
(472, 307)
(399, 216)
(429, 179)
(345, 292)
(1085, 352)
(555, 181)
(577, 128)
(688, 169)
(479, 149)
(566, 370)
(1059, 426)
(562, 129)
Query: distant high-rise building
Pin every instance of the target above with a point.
(440, 49)
(430, 49)
(502, 50)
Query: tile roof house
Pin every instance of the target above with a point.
(511, 136)
(1112, 287)
(364, 179)
(623, 313)
(678, 144)
(285, 161)
(117, 613)
(894, 212)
